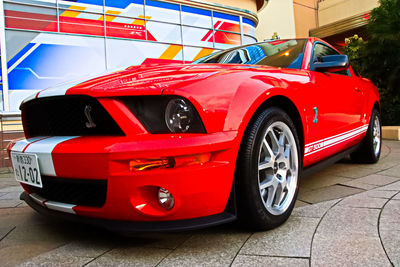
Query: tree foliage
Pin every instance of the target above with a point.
(379, 58)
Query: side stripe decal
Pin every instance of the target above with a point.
(325, 143)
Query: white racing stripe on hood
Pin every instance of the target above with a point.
(62, 88)
(43, 150)
(57, 90)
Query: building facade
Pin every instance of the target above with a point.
(332, 20)
(49, 42)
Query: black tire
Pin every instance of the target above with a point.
(252, 211)
(367, 153)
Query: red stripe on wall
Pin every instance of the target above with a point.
(30, 21)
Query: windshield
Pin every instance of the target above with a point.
(275, 53)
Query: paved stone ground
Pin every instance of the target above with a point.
(346, 215)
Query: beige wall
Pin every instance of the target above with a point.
(334, 10)
(305, 15)
(277, 16)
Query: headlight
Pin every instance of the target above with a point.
(165, 114)
(178, 116)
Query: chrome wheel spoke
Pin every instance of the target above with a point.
(265, 165)
(268, 149)
(274, 139)
(267, 183)
(271, 195)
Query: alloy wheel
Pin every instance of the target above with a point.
(278, 168)
(376, 136)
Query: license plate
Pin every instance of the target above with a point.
(26, 169)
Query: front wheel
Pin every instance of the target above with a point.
(268, 170)
(370, 149)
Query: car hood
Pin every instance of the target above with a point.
(151, 79)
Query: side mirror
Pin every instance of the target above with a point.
(331, 64)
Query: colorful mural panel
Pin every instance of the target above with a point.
(50, 42)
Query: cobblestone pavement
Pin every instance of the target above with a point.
(346, 215)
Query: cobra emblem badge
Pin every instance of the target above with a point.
(88, 113)
(315, 115)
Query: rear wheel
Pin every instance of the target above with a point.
(370, 149)
(268, 170)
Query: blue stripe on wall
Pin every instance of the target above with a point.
(226, 16)
(196, 11)
(122, 3)
(247, 21)
(19, 54)
(162, 5)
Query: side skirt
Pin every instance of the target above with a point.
(328, 161)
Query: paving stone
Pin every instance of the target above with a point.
(213, 248)
(390, 217)
(300, 203)
(391, 187)
(395, 172)
(397, 196)
(84, 248)
(378, 193)
(378, 180)
(346, 220)
(385, 150)
(391, 243)
(11, 189)
(21, 216)
(358, 201)
(135, 256)
(359, 184)
(4, 231)
(250, 260)
(22, 205)
(158, 240)
(15, 254)
(347, 250)
(56, 259)
(292, 239)
(354, 172)
(9, 203)
(49, 233)
(6, 184)
(11, 195)
(321, 180)
(314, 211)
(339, 168)
(384, 163)
(327, 193)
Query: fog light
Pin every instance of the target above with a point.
(165, 198)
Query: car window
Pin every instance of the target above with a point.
(321, 50)
(276, 53)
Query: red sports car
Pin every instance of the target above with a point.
(181, 146)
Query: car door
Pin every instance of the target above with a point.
(337, 107)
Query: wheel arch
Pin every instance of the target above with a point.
(286, 105)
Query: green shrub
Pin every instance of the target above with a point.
(379, 58)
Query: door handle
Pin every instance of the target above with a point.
(358, 89)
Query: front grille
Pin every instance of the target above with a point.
(82, 192)
(67, 116)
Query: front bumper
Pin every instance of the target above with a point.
(132, 227)
(199, 190)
